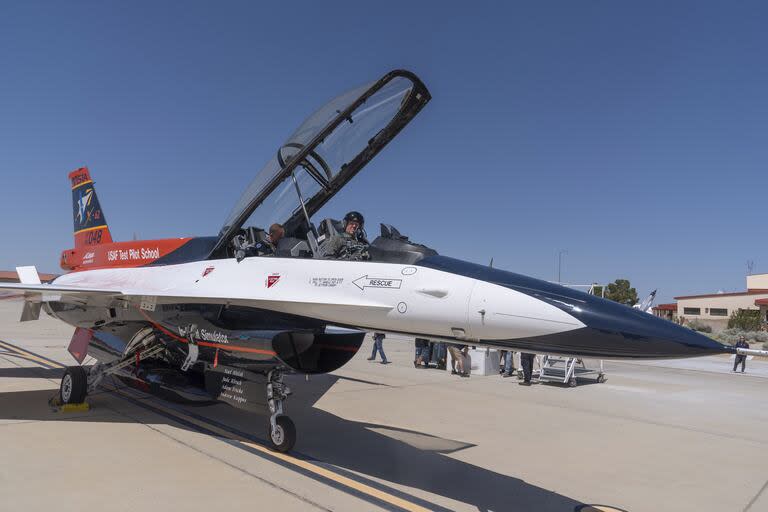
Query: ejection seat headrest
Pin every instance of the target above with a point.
(331, 227)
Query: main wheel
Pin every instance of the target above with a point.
(601, 378)
(572, 382)
(74, 385)
(283, 436)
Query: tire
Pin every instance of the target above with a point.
(74, 385)
(284, 436)
(601, 379)
(572, 382)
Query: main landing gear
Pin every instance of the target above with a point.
(78, 381)
(74, 385)
(282, 431)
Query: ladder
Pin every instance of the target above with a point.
(565, 370)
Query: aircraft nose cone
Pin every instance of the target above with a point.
(615, 330)
(611, 330)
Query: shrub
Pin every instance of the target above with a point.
(696, 325)
(731, 336)
(745, 319)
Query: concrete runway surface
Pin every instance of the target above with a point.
(657, 436)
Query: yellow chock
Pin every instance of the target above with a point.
(57, 406)
(83, 407)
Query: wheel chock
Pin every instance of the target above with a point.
(57, 406)
(82, 407)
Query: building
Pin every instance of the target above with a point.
(762, 304)
(10, 276)
(666, 311)
(714, 309)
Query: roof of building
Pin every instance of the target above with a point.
(666, 307)
(10, 276)
(761, 302)
(753, 291)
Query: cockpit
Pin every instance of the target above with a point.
(318, 159)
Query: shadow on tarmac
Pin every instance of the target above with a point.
(400, 456)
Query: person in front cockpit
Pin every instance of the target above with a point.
(351, 244)
(354, 226)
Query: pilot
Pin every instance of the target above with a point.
(276, 233)
(267, 246)
(354, 226)
(352, 243)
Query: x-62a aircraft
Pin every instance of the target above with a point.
(225, 317)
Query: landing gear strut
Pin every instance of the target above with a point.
(78, 381)
(282, 431)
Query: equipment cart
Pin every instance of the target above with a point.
(566, 370)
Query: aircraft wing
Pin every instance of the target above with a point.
(36, 294)
(53, 289)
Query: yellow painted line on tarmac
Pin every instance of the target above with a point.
(347, 482)
(288, 459)
(598, 508)
(29, 355)
(20, 356)
(300, 463)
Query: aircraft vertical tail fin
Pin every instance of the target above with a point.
(31, 311)
(90, 224)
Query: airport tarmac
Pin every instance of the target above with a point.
(657, 436)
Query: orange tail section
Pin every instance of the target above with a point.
(90, 224)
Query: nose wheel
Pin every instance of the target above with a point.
(283, 434)
(282, 431)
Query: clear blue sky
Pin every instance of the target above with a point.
(635, 136)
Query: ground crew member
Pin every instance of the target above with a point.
(740, 358)
(526, 361)
(509, 364)
(378, 346)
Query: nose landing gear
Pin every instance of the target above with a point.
(282, 431)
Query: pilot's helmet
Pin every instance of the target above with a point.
(354, 217)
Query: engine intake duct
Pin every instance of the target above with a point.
(312, 352)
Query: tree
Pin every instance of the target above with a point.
(620, 291)
(745, 319)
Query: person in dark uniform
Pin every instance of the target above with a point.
(742, 343)
(526, 361)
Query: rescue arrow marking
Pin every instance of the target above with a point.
(377, 282)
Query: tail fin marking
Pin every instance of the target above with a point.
(90, 226)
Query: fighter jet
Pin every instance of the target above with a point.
(646, 305)
(224, 317)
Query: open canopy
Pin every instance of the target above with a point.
(325, 152)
